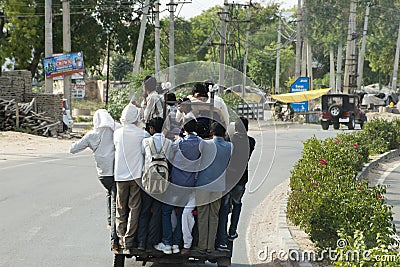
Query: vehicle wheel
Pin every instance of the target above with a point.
(336, 125)
(351, 123)
(119, 260)
(335, 110)
(325, 125)
(224, 262)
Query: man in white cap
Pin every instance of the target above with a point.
(100, 141)
(128, 167)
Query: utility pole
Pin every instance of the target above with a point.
(157, 35)
(339, 68)
(396, 63)
(108, 66)
(362, 52)
(309, 65)
(349, 68)
(67, 47)
(298, 40)
(142, 33)
(246, 50)
(278, 56)
(172, 6)
(222, 47)
(48, 44)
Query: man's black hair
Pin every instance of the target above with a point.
(242, 125)
(200, 89)
(190, 126)
(157, 123)
(185, 102)
(171, 99)
(150, 83)
(217, 129)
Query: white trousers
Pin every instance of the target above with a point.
(188, 221)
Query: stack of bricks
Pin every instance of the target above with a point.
(48, 103)
(14, 84)
(18, 85)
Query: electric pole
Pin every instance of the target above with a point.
(157, 35)
(349, 68)
(362, 52)
(222, 47)
(142, 33)
(298, 40)
(339, 68)
(278, 56)
(48, 44)
(67, 47)
(246, 50)
(172, 6)
(396, 63)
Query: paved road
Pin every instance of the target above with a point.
(53, 212)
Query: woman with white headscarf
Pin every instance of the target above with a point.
(100, 141)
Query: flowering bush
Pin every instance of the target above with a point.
(325, 196)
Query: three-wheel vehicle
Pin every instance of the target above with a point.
(222, 258)
(341, 109)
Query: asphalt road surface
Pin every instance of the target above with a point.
(53, 208)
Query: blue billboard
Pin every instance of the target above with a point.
(65, 64)
(300, 85)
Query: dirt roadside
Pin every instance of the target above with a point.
(17, 146)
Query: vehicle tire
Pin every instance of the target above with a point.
(336, 125)
(224, 262)
(335, 110)
(119, 260)
(351, 123)
(325, 125)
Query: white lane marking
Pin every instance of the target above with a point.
(42, 161)
(32, 232)
(60, 211)
(93, 196)
(382, 179)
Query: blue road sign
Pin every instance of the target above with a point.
(300, 85)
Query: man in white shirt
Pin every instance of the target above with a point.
(128, 167)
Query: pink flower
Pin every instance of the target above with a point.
(355, 145)
(322, 161)
(336, 142)
(359, 188)
(380, 196)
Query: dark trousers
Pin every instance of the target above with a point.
(223, 220)
(111, 194)
(236, 195)
(149, 228)
(170, 237)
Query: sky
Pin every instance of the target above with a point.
(197, 6)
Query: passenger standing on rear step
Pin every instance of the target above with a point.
(100, 141)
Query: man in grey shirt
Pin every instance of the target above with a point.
(100, 141)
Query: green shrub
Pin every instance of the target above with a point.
(381, 135)
(384, 254)
(326, 198)
(118, 99)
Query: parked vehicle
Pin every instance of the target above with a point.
(341, 109)
(66, 113)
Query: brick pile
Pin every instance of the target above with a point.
(17, 85)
